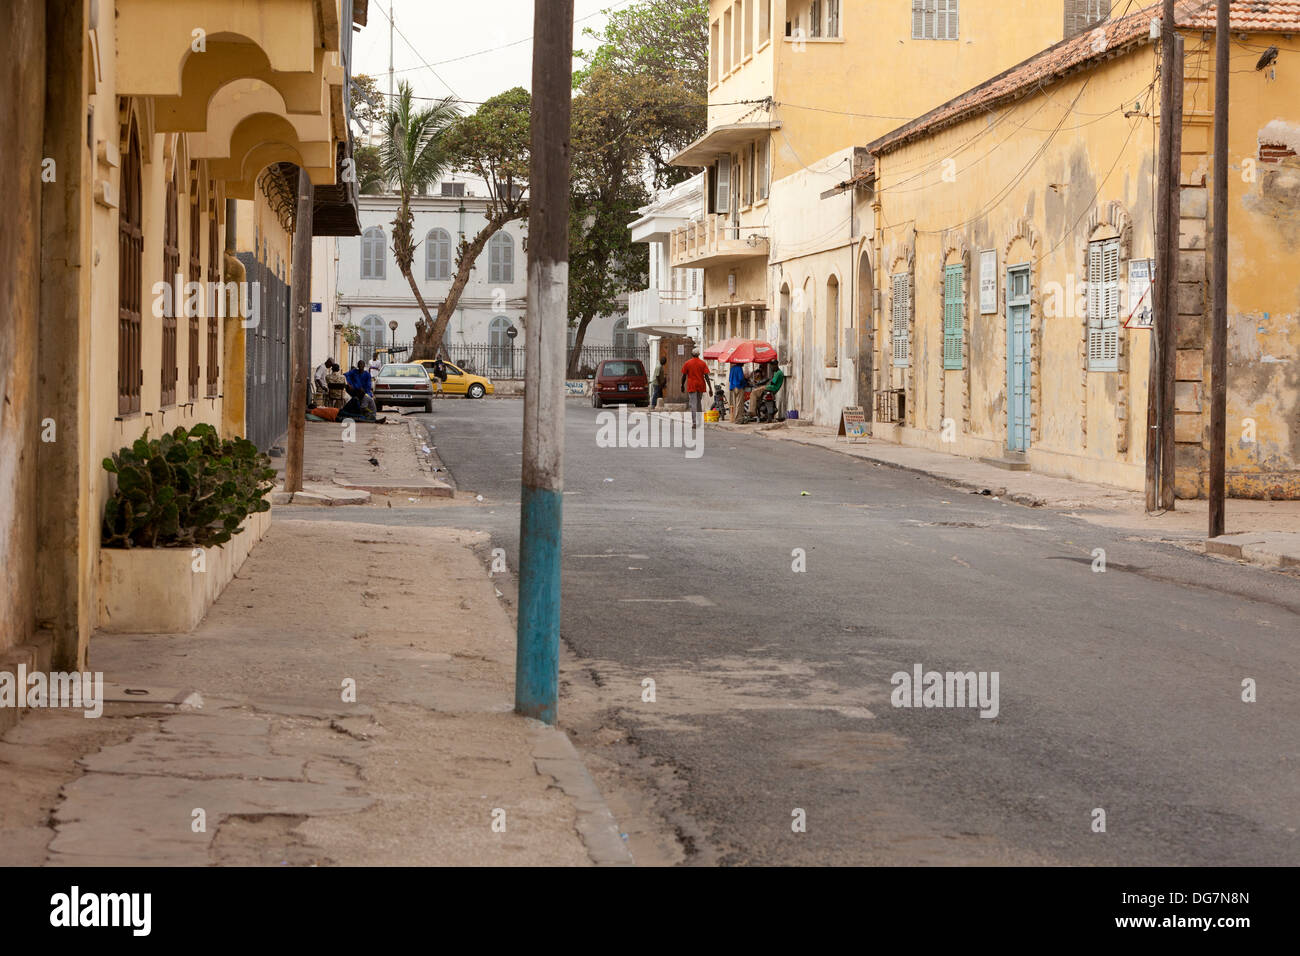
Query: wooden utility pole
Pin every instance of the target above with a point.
(537, 648)
(1169, 344)
(1164, 263)
(299, 349)
(1219, 278)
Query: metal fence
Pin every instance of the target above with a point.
(266, 355)
(498, 361)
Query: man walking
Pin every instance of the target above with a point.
(439, 373)
(696, 382)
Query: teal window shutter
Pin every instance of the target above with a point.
(953, 315)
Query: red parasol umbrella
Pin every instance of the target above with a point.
(716, 349)
(748, 350)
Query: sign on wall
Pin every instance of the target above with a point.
(1141, 314)
(576, 387)
(988, 282)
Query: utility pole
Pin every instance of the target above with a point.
(300, 315)
(392, 25)
(1169, 344)
(1219, 278)
(1164, 263)
(537, 650)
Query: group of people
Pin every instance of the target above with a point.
(697, 382)
(341, 395)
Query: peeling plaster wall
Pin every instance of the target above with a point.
(1264, 277)
(22, 52)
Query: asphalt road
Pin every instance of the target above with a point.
(1118, 691)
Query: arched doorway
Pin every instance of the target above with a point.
(866, 322)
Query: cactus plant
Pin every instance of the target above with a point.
(186, 489)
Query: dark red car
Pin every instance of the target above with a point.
(620, 382)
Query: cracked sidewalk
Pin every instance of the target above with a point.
(269, 757)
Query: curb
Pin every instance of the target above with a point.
(1253, 548)
(555, 756)
(1028, 500)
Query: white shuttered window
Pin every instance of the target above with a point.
(934, 20)
(1103, 305)
(902, 309)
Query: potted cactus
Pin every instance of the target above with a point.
(177, 502)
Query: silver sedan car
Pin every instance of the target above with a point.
(403, 384)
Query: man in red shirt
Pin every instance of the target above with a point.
(695, 382)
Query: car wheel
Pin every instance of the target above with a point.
(595, 400)
(476, 390)
(428, 405)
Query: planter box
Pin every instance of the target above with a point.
(159, 590)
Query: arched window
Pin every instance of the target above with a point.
(832, 321)
(130, 245)
(500, 343)
(437, 255)
(373, 255)
(501, 258)
(624, 341)
(372, 333)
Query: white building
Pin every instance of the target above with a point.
(372, 293)
(670, 307)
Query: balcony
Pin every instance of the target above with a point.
(661, 311)
(714, 241)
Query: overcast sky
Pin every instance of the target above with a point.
(442, 31)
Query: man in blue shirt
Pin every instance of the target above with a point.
(736, 383)
(360, 380)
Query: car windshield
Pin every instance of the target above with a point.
(402, 371)
(622, 368)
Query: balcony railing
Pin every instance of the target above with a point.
(714, 240)
(660, 308)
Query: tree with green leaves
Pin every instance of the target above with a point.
(413, 155)
(641, 97)
(666, 43)
(492, 143)
(370, 171)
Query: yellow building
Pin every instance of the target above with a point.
(1014, 246)
(795, 85)
(140, 132)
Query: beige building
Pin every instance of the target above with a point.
(1014, 257)
(147, 140)
(795, 85)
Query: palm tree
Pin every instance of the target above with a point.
(413, 156)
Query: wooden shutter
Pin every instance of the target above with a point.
(191, 307)
(953, 315)
(130, 248)
(832, 18)
(171, 266)
(214, 334)
(723, 201)
(918, 19)
(1103, 305)
(902, 300)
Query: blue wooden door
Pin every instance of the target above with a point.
(1018, 372)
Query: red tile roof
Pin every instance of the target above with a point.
(1257, 16)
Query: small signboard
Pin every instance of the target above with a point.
(681, 350)
(315, 307)
(1140, 290)
(988, 282)
(576, 386)
(853, 423)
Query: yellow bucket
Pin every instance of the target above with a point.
(711, 415)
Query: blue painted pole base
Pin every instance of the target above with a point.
(537, 644)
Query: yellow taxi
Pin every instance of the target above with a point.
(459, 381)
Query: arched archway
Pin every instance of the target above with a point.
(866, 321)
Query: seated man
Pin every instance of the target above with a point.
(773, 386)
(357, 411)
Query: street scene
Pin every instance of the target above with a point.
(651, 433)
